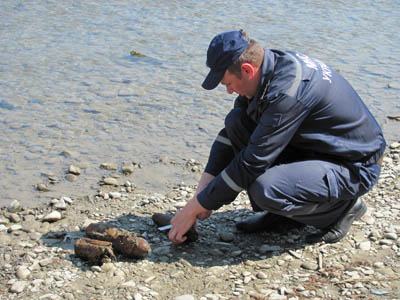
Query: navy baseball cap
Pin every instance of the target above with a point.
(224, 50)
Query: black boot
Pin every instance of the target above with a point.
(267, 221)
(338, 230)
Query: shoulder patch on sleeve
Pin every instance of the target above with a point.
(271, 120)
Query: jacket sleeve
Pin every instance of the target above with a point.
(222, 153)
(277, 125)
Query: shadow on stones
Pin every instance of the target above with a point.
(208, 251)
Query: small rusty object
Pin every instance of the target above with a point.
(165, 219)
(125, 242)
(94, 251)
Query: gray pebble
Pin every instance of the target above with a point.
(42, 187)
(268, 248)
(70, 177)
(261, 275)
(160, 251)
(110, 181)
(390, 235)
(108, 166)
(309, 265)
(386, 242)
(226, 236)
(15, 218)
(127, 170)
(45, 262)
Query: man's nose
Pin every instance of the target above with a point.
(229, 90)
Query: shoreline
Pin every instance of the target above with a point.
(222, 264)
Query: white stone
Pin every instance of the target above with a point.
(128, 284)
(180, 204)
(394, 145)
(67, 199)
(379, 264)
(217, 270)
(52, 217)
(23, 273)
(14, 206)
(74, 170)
(144, 289)
(184, 297)
(15, 227)
(4, 221)
(366, 246)
(115, 195)
(275, 296)
(137, 296)
(3, 228)
(50, 297)
(61, 204)
(18, 287)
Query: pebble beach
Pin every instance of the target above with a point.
(37, 258)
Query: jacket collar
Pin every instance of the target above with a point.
(267, 72)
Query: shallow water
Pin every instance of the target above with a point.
(68, 81)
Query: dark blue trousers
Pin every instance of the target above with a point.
(303, 185)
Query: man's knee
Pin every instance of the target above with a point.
(260, 193)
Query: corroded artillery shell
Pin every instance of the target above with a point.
(165, 219)
(94, 251)
(124, 242)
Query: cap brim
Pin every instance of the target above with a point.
(212, 80)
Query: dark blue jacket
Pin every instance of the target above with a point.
(300, 102)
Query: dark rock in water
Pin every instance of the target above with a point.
(396, 118)
(6, 105)
(124, 242)
(137, 54)
(94, 251)
(165, 219)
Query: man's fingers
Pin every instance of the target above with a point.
(176, 237)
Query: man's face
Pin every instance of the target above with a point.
(235, 85)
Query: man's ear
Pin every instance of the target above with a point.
(248, 70)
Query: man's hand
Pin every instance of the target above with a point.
(185, 219)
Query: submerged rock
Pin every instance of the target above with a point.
(137, 54)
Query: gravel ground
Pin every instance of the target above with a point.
(37, 259)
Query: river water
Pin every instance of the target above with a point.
(69, 83)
